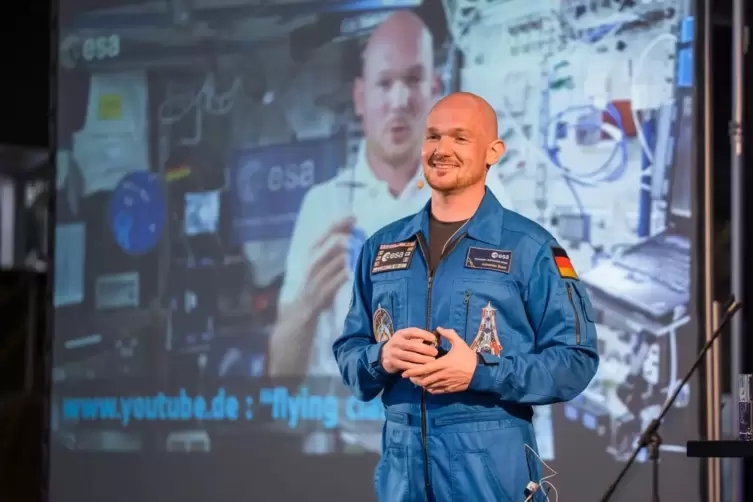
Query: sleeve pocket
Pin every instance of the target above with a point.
(589, 316)
(585, 302)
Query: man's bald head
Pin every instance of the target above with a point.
(396, 88)
(401, 30)
(485, 116)
(461, 142)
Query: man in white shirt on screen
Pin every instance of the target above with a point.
(396, 89)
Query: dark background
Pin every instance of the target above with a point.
(26, 39)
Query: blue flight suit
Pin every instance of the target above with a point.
(502, 278)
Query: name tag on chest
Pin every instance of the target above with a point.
(489, 259)
(391, 257)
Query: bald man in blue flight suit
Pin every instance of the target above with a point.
(464, 316)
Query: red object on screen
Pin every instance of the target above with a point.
(624, 108)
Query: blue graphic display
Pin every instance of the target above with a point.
(137, 212)
(269, 185)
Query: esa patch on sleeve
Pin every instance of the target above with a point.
(489, 259)
(564, 265)
(391, 257)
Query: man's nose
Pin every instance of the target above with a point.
(399, 94)
(443, 147)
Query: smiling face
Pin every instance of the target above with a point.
(460, 143)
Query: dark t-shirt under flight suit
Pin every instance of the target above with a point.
(440, 235)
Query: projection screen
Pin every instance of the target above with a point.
(205, 149)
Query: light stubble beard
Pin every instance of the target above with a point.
(461, 184)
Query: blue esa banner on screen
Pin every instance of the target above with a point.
(269, 184)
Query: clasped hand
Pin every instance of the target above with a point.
(412, 352)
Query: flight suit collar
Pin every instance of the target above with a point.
(485, 225)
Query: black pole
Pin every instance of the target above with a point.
(653, 453)
(738, 217)
(49, 246)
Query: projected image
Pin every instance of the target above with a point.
(225, 163)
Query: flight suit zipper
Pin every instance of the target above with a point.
(430, 270)
(575, 311)
(467, 302)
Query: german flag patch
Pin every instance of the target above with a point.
(564, 265)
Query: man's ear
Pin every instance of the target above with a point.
(358, 104)
(494, 152)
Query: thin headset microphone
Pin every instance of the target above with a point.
(420, 182)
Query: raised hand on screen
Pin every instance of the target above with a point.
(451, 373)
(328, 269)
(408, 348)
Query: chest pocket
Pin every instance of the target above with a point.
(490, 316)
(389, 307)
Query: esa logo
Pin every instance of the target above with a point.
(253, 179)
(395, 255)
(101, 48)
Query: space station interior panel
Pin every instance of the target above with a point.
(595, 105)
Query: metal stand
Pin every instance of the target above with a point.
(654, 444)
(650, 438)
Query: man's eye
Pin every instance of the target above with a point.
(461, 139)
